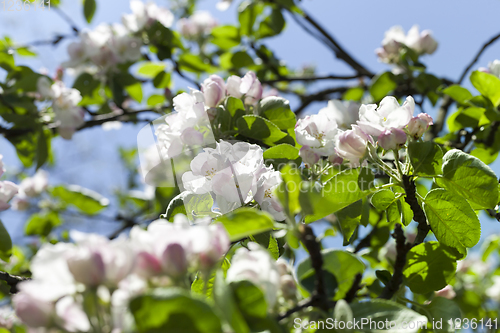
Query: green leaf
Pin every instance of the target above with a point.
(282, 154)
(155, 99)
(41, 224)
(382, 311)
(234, 106)
(452, 220)
(458, 93)
(135, 91)
(272, 25)
(277, 110)
(343, 265)
(289, 192)
(488, 85)
(442, 310)
(248, 13)
(5, 243)
(425, 157)
(354, 94)
(430, 267)
(340, 191)
(382, 85)
(466, 117)
(349, 219)
(244, 222)
(259, 128)
(162, 80)
(193, 63)
(383, 199)
(205, 287)
(89, 7)
(151, 69)
(175, 206)
(468, 176)
(241, 59)
(87, 201)
(25, 52)
(173, 310)
(223, 297)
(226, 37)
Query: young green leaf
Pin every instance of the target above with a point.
(89, 7)
(425, 157)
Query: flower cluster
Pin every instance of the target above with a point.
(197, 26)
(7, 189)
(64, 274)
(247, 88)
(395, 39)
(235, 174)
(109, 45)
(326, 133)
(68, 115)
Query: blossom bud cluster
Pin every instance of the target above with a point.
(395, 38)
(197, 26)
(163, 255)
(68, 115)
(248, 88)
(7, 189)
(30, 187)
(109, 45)
(235, 174)
(341, 132)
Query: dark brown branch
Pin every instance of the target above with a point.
(493, 214)
(418, 213)
(12, 281)
(402, 249)
(476, 58)
(312, 78)
(366, 241)
(356, 286)
(314, 248)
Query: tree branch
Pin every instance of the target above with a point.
(418, 214)
(12, 281)
(402, 249)
(478, 55)
(319, 96)
(313, 78)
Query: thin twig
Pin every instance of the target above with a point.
(476, 58)
(312, 78)
(319, 96)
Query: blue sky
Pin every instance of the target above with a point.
(460, 26)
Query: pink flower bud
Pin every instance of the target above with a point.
(147, 265)
(251, 88)
(351, 144)
(7, 192)
(427, 43)
(309, 157)
(391, 139)
(446, 292)
(335, 159)
(213, 90)
(87, 267)
(233, 86)
(419, 125)
(174, 261)
(33, 311)
(192, 137)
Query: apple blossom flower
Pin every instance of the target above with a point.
(144, 15)
(391, 139)
(174, 260)
(345, 113)
(446, 292)
(374, 121)
(214, 90)
(419, 125)
(7, 317)
(197, 25)
(7, 191)
(257, 266)
(70, 315)
(494, 67)
(65, 101)
(266, 197)
(318, 132)
(33, 311)
(420, 42)
(34, 186)
(251, 88)
(308, 155)
(233, 84)
(352, 144)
